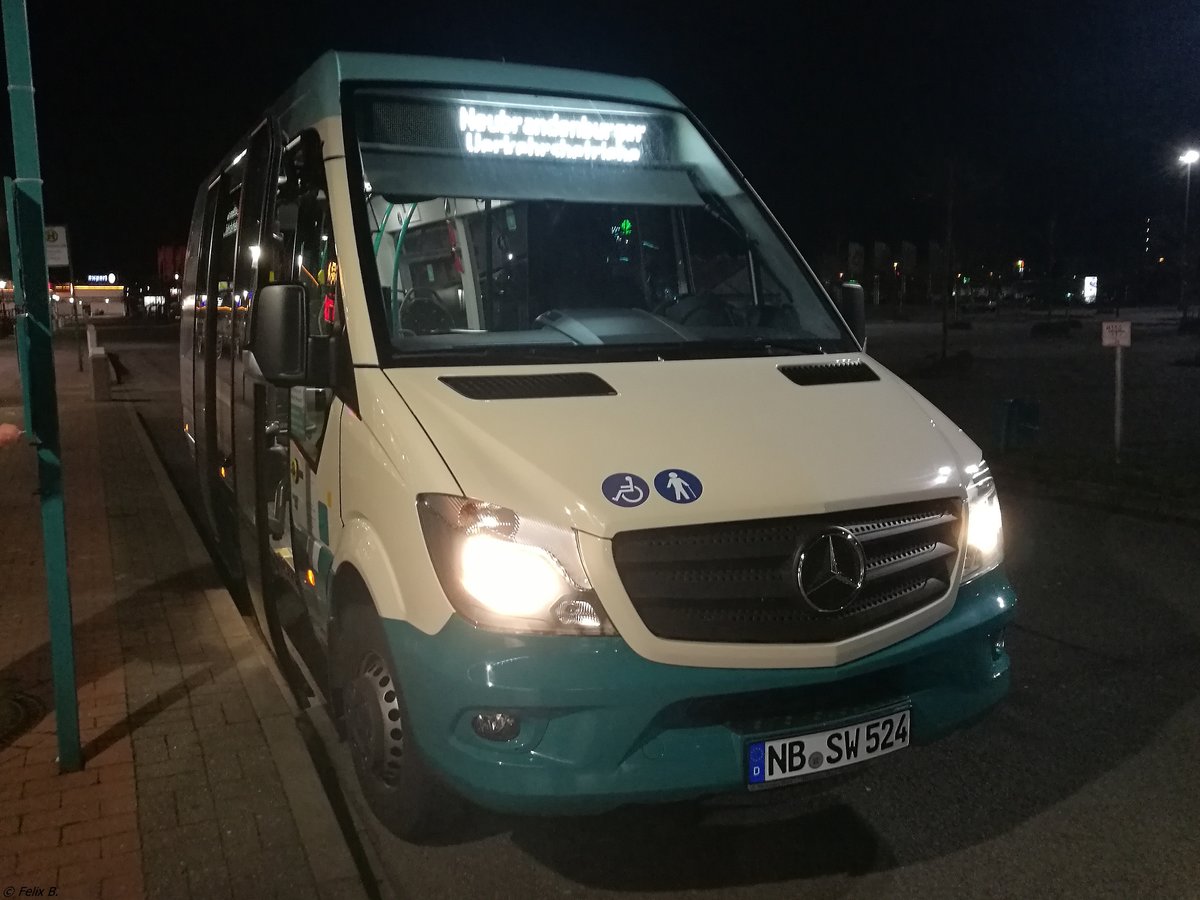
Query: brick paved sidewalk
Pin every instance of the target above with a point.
(197, 782)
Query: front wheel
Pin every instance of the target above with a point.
(403, 793)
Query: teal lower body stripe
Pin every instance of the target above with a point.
(601, 726)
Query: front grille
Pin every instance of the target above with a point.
(735, 582)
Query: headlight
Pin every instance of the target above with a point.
(985, 531)
(507, 572)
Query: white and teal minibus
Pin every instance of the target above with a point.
(524, 424)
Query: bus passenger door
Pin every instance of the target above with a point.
(191, 322)
(259, 187)
(304, 510)
(244, 439)
(214, 434)
(203, 367)
(314, 424)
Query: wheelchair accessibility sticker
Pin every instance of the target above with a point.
(625, 489)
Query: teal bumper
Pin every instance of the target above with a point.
(602, 726)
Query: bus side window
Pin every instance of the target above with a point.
(250, 239)
(224, 256)
(200, 288)
(302, 251)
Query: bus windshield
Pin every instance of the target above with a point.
(527, 228)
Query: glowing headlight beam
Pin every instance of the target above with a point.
(984, 525)
(510, 578)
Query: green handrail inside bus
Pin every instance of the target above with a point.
(382, 225)
(396, 267)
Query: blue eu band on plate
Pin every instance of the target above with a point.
(807, 754)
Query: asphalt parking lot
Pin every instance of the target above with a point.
(1083, 782)
(1070, 378)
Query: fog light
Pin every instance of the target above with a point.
(496, 726)
(997, 645)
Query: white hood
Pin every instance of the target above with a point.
(760, 444)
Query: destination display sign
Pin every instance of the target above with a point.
(483, 129)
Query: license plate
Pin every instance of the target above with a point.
(808, 754)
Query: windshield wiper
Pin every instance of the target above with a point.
(585, 354)
(768, 346)
(515, 354)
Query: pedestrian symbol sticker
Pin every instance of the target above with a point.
(625, 489)
(678, 485)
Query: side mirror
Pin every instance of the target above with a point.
(280, 334)
(852, 304)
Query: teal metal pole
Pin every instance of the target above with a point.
(27, 230)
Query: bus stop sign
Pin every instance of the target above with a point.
(57, 254)
(1116, 334)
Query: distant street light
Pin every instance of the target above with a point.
(1188, 158)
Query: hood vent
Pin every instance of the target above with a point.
(529, 387)
(842, 371)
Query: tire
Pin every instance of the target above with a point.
(401, 789)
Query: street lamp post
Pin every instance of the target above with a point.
(1188, 158)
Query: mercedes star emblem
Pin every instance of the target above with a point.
(830, 570)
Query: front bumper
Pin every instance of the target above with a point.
(602, 726)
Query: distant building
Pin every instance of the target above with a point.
(170, 263)
(99, 295)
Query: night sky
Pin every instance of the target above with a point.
(844, 116)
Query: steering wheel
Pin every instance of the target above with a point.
(421, 311)
(693, 304)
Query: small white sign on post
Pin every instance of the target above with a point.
(57, 254)
(1119, 335)
(1116, 334)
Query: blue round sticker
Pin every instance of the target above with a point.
(625, 489)
(678, 485)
